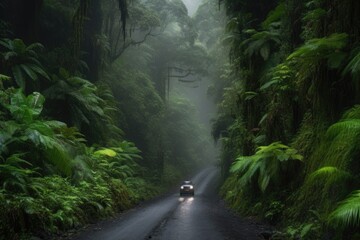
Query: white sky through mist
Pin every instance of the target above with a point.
(192, 5)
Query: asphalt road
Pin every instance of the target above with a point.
(202, 217)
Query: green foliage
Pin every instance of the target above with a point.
(116, 162)
(185, 138)
(274, 15)
(280, 79)
(329, 171)
(53, 203)
(234, 194)
(22, 60)
(306, 231)
(279, 88)
(313, 19)
(139, 104)
(143, 17)
(274, 211)
(309, 135)
(83, 105)
(266, 166)
(26, 131)
(329, 49)
(294, 73)
(15, 173)
(339, 148)
(220, 125)
(79, 92)
(261, 42)
(347, 213)
(51, 180)
(233, 136)
(353, 67)
(325, 181)
(333, 173)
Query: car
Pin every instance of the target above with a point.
(187, 188)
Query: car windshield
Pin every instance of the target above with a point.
(187, 183)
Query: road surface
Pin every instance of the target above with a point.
(202, 217)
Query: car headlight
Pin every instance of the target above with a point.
(191, 187)
(182, 187)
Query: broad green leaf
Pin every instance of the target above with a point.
(19, 77)
(106, 152)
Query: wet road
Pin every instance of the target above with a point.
(202, 217)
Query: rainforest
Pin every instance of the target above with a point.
(106, 106)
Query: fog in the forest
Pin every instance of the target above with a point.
(192, 6)
(159, 64)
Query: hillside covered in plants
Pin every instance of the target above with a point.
(288, 117)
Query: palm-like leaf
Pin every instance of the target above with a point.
(313, 51)
(80, 96)
(22, 60)
(261, 42)
(265, 166)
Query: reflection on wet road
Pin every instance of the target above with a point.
(191, 220)
(174, 218)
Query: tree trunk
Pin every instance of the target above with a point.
(91, 42)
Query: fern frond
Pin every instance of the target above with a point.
(332, 172)
(343, 128)
(320, 47)
(352, 113)
(347, 214)
(353, 67)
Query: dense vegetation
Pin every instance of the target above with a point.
(288, 119)
(92, 120)
(88, 125)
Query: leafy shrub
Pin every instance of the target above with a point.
(274, 211)
(268, 165)
(306, 231)
(25, 131)
(22, 61)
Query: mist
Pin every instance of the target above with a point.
(192, 6)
